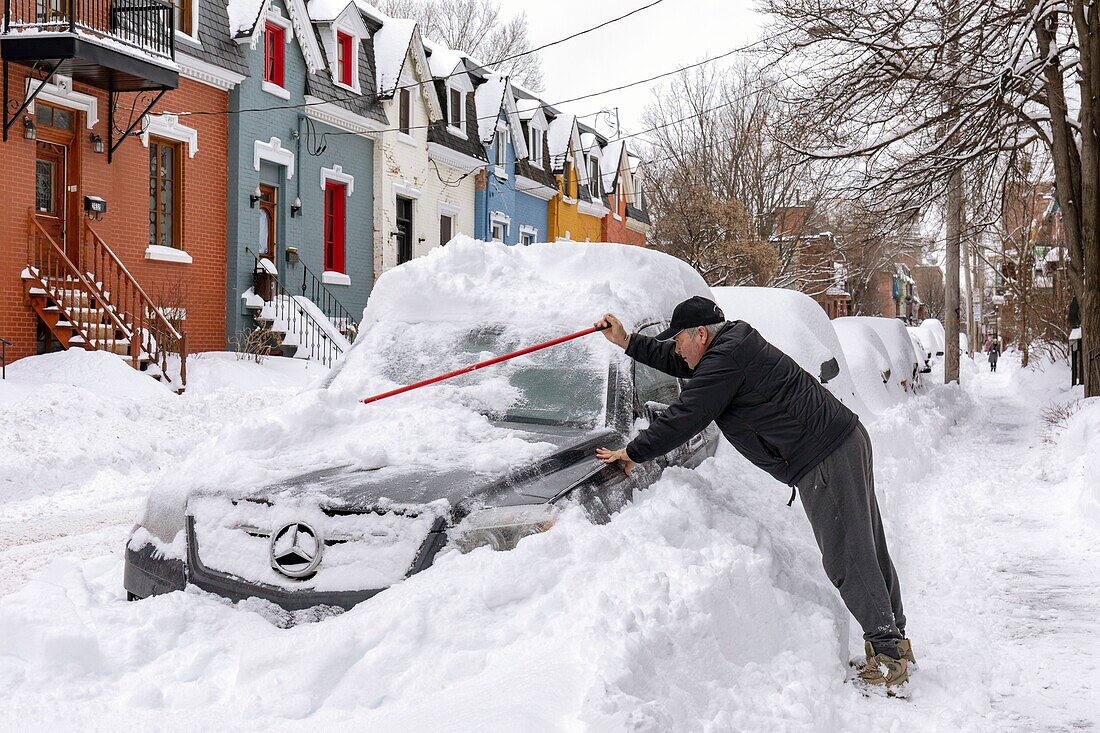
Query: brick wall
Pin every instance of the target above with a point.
(199, 287)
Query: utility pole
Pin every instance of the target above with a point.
(951, 278)
(968, 248)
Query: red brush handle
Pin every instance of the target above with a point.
(482, 364)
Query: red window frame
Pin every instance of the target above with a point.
(335, 225)
(274, 43)
(344, 58)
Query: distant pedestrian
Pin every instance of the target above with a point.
(994, 354)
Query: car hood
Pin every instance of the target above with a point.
(351, 490)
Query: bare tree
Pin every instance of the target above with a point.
(935, 90)
(477, 28)
(713, 234)
(730, 128)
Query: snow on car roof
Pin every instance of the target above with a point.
(870, 361)
(795, 324)
(566, 283)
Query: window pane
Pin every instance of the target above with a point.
(651, 385)
(43, 185)
(62, 119)
(456, 107)
(444, 229)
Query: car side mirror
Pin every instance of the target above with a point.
(886, 377)
(652, 410)
(829, 369)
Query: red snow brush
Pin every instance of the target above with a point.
(483, 364)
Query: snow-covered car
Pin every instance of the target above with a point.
(934, 335)
(795, 324)
(904, 364)
(869, 361)
(924, 353)
(483, 460)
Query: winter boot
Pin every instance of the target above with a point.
(905, 651)
(883, 671)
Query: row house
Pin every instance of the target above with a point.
(196, 173)
(115, 205)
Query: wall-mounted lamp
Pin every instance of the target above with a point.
(30, 131)
(97, 142)
(292, 255)
(296, 207)
(254, 197)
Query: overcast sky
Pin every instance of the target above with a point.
(676, 32)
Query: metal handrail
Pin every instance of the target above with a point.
(323, 298)
(314, 338)
(4, 344)
(148, 25)
(150, 328)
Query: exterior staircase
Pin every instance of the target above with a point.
(313, 325)
(95, 303)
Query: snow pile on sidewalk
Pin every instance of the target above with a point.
(1080, 449)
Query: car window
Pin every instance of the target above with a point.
(652, 385)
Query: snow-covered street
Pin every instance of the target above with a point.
(700, 607)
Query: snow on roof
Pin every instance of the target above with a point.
(609, 163)
(527, 108)
(323, 11)
(796, 325)
(558, 135)
(371, 11)
(1054, 254)
(243, 15)
(443, 61)
(391, 48)
(488, 100)
(566, 283)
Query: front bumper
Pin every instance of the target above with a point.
(148, 574)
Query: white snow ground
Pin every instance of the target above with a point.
(700, 607)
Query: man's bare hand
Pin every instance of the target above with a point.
(616, 456)
(615, 332)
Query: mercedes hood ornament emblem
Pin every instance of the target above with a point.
(296, 550)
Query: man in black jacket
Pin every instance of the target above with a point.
(781, 419)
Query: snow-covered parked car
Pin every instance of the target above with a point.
(934, 335)
(795, 324)
(869, 361)
(924, 353)
(327, 501)
(904, 364)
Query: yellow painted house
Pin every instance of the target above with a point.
(576, 212)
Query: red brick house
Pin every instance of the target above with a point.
(816, 259)
(627, 221)
(115, 209)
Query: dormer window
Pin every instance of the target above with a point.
(274, 42)
(535, 145)
(345, 58)
(456, 109)
(501, 148)
(404, 111)
(593, 176)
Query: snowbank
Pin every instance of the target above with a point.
(797, 326)
(1080, 450)
(936, 335)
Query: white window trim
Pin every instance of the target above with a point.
(503, 231)
(499, 217)
(168, 127)
(405, 190)
(332, 277)
(336, 173)
(167, 254)
(62, 94)
(194, 25)
(459, 130)
(500, 148)
(407, 139)
(274, 89)
(355, 43)
(526, 229)
(274, 15)
(446, 208)
(535, 152)
(273, 152)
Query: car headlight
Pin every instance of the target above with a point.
(502, 527)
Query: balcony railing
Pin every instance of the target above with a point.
(145, 25)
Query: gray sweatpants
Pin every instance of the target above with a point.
(839, 497)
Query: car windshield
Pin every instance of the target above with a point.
(562, 385)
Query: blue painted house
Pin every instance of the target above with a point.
(512, 192)
(301, 174)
